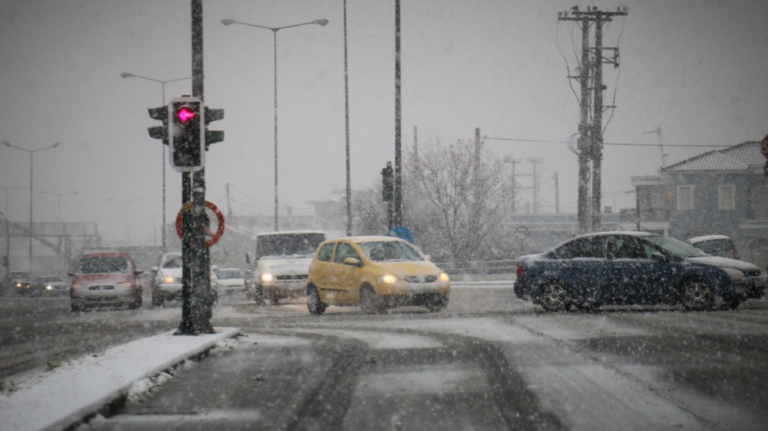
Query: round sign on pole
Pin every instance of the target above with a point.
(522, 233)
(764, 147)
(214, 236)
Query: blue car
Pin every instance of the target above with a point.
(617, 268)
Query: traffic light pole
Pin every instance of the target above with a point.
(196, 290)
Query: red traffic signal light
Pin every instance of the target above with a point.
(185, 114)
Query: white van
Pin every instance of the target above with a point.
(280, 267)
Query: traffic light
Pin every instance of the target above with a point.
(159, 132)
(388, 182)
(213, 136)
(186, 133)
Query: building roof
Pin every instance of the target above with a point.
(744, 156)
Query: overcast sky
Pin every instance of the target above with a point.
(696, 68)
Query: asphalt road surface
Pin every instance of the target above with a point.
(487, 362)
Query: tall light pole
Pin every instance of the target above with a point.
(31, 190)
(58, 202)
(125, 207)
(321, 22)
(162, 149)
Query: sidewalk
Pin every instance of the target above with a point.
(65, 395)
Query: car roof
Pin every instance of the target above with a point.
(697, 239)
(368, 238)
(290, 232)
(107, 254)
(619, 232)
(228, 269)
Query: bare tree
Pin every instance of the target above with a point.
(455, 194)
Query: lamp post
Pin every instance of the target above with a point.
(162, 84)
(58, 201)
(321, 22)
(31, 190)
(125, 207)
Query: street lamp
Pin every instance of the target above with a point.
(321, 22)
(125, 207)
(162, 84)
(31, 190)
(58, 201)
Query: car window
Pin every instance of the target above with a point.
(628, 247)
(228, 274)
(592, 246)
(714, 246)
(326, 252)
(343, 251)
(678, 248)
(390, 251)
(103, 265)
(172, 262)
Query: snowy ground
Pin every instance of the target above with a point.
(62, 396)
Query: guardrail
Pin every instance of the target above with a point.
(479, 267)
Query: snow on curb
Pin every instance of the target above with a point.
(65, 395)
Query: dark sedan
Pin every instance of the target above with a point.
(615, 268)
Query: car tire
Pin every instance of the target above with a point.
(314, 304)
(437, 302)
(157, 300)
(77, 306)
(697, 295)
(136, 304)
(553, 297)
(370, 303)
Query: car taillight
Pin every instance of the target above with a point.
(736, 254)
(519, 271)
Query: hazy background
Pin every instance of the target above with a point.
(696, 68)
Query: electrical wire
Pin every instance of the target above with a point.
(567, 66)
(606, 143)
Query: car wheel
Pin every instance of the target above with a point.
(370, 303)
(77, 306)
(437, 302)
(697, 295)
(314, 304)
(553, 297)
(135, 304)
(157, 300)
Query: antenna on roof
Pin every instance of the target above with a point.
(661, 144)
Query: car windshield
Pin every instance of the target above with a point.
(390, 251)
(172, 262)
(714, 246)
(103, 265)
(228, 274)
(678, 248)
(293, 244)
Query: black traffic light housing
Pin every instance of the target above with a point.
(388, 182)
(159, 132)
(186, 134)
(213, 136)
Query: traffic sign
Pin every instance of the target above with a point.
(522, 233)
(214, 236)
(401, 232)
(764, 146)
(765, 169)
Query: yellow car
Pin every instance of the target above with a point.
(375, 272)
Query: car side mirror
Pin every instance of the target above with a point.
(353, 261)
(659, 257)
(248, 257)
(138, 271)
(71, 274)
(154, 269)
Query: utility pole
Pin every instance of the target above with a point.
(590, 144)
(229, 205)
(398, 198)
(535, 185)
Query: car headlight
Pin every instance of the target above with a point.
(733, 272)
(18, 284)
(267, 277)
(388, 279)
(49, 287)
(443, 277)
(167, 280)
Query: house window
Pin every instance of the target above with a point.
(684, 198)
(726, 197)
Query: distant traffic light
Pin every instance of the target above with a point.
(388, 182)
(186, 134)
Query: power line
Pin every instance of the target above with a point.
(625, 144)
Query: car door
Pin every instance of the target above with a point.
(346, 279)
(582, 265)
(655, 278)
(629, 260)
(321, 271)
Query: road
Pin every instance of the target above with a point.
(487, 362)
